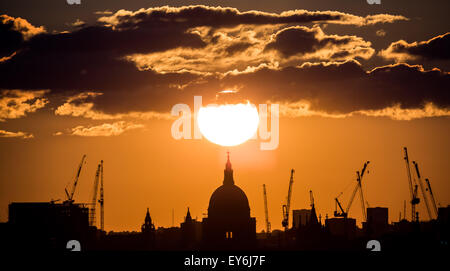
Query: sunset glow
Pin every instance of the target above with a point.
(225, 126)
(228, 125)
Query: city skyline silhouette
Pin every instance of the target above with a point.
(163, 98)
(227, 226)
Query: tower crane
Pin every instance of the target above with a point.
(433, 200)
(69, 194)
(412, 189)
(344, 213)
(359, 177)
(102, 201)
(287, 206)
(92, 214)
(311, 198)
(266, 210)
(425, 198)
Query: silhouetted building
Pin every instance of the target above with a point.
(344, 228)
(124, 241)
(148, 231)
(377, 222)
(443, 223)
(313, 218)
(444, 214)
(168, 238)
(310, 234)
(191, 232)
(51, 225)
(229, 225)
(300, 217)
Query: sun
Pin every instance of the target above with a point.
(228, 125)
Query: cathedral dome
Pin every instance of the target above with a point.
(228, 201)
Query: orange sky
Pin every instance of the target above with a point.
(354, 82)
(150, 169)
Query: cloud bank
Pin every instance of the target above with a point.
(436, 48)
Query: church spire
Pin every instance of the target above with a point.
(148, 219)
(188, 216)
(228, 165)
(228, 172)
(148, 225)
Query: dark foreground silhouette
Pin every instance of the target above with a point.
(228, 226)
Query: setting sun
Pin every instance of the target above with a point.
(228, 125)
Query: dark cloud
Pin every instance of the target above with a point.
(295, 40)
(300, 40)
(192, 16)
(13, 32)
(93, 59)
(437, 48)
(238, 47)
(118, 43)
(11, 40)
(340, 88)
(243, 47)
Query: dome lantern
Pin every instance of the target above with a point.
(228, 172)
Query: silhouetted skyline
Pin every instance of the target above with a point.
(228, 226)
(354, 82)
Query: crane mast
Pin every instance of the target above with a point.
(413, 190)
(92, 214)
(287, 206)
(425, 198)
(102, 201)
(75, 182)
(266, 210)
(361, 190)
(433, 200)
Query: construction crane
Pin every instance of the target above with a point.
(359, 176)
(266, 210)
(433, 200)
(92, 214)
(424, 194)
(69, 194)
(102, 200)
(311, 198)
(344, 213)
(412, 189)
(287, 206)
